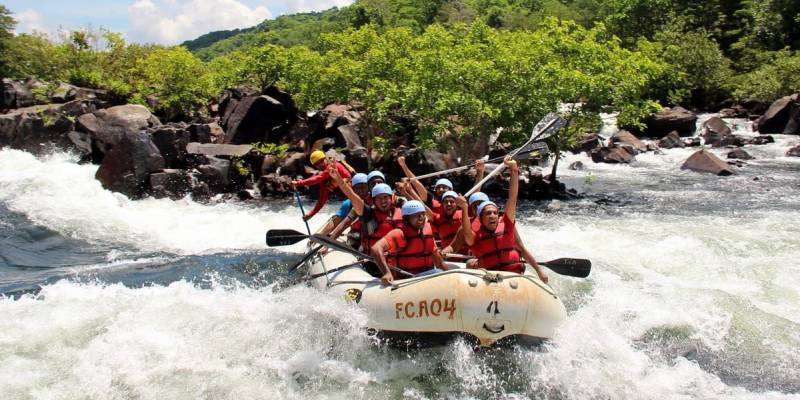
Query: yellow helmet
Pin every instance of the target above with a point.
(316, 156)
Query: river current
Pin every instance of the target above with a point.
(693, 294)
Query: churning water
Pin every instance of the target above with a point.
(693, 294)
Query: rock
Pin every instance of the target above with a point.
(15, 95)
(81, 141)
(671, 141)
(705, 161)
(740, 154)
(273, 184)
(172, 140)
(269, 164)
(782, 117)
(670, 119)
(589, 143)
(127, 166)
(216, 174)
(737, 111)
(761, 140)
(64, 93)
(230, 99)
(35, 128)
(172, 183)
(349, 135)
(576, 166)
(717, 133)
(323, 144)
(108, 126)
(794, 151)
(210, 149)
(623, 137)
(206, 133)
(259, 119)
(611, 155)
(693, 142)
(358, 158)
(293, 165)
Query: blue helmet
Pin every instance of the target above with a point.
(484, 205)
(359, 179)
(478, 196)
(412, 207)
(444, 182)
(381, 188)
(450, 193)
(374, 174)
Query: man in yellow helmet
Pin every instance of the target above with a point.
(323, 178)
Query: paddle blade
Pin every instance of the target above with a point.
(283, 237)
(534, 149)
(576, 267)
(548, 126)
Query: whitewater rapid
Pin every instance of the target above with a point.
(693, 295)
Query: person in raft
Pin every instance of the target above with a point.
(410, 247)
(492, 238)
(323, 179)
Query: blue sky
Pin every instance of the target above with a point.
(159, 21)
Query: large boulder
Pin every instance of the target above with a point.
(172, 183)
(782, 117)
(588, 143)
(15, 95)
(171, 140)
(672, 140)
(258, 119)
(108, 126)
(35, 128)
(216, 173)
(611, 155)
(624, 138)
(126, 168)
(670, 119)
(794, 151)
(705, 161)
(717, 133)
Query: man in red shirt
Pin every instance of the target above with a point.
(323, 179)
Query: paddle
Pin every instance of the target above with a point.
(300, 203)
(522, 155)
(577, 267)
(284, 237)
(547, 127)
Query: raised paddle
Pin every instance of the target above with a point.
(577, 267)
(534, 147)
(547, 127)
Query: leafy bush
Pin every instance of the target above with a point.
(778, 77)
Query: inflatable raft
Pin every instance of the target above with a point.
(485, 306)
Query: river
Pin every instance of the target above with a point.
(693, 294)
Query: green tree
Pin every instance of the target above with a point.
(7, 24)
(177, 78)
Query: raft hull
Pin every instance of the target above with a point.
(486, 306)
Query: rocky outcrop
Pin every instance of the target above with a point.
(782, 117)
(258, 118)
(15, 95)
(706, 162)
(108, 126)
(127, 166)
(670, 119)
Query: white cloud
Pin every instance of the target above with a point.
(294, 6)
(29, 21)
(173, 21)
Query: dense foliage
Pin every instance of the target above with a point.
(434, 67)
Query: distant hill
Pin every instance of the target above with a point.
(210, 38)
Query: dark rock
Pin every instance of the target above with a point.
(258, 119)
(611, 155)
(737, 111)
(209, 149)
(269, 164)
(671, 141)
(206, 133)
(588, 144)
(230, 100)
(81, 142)
(127, 166)
(576, 166)
(623, 137)
(693, 142)
(761, 140)
(108, 126)
(740, 154)
(64, 93)
(794, 151)
(717, 133)
(323, 144)
(671, 119)
(35, 128)
(705, 161)
(293, 165)
(172, 183)
(15, 95)
(216, 174)
(358, 158)
(245, 194)
(171, 140)
(273, 184)
(782, 117)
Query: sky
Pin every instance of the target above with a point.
(165, 22)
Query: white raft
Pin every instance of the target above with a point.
(489, 306)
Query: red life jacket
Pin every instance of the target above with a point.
(377, 227)
(417, 256)
(446, 227)
(436, 206)
(495, 250)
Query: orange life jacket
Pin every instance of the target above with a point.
(378, 226)
(417, 256)
(495, 250)
(446, 227)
